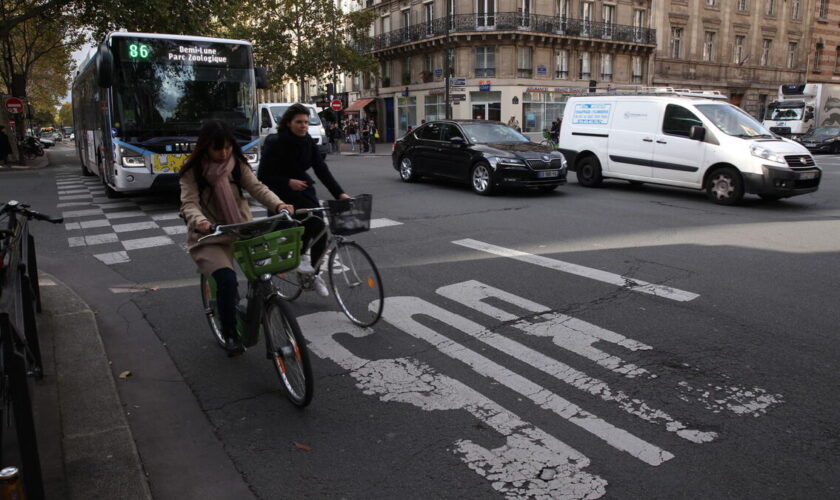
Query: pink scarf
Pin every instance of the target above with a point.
(217, 174)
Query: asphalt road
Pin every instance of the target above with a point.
(620, 342)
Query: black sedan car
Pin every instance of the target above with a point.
(486, 155)
(822, 140)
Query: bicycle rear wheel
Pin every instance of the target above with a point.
(208, 299)
(287, 350)
(287, 285)
(355, 281)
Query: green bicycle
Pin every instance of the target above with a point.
(263, 250)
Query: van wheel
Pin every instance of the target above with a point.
(589, 172)
(725, 186)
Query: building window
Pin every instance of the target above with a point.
(817, 57)
(486, 13)
(524, 65)
(586, 18)
(795, 6)
(609, 20)
(676, 42)
(743, 5)
(561, 65)
(584, 70)
(709, 46)
(771, 8)
(435, 108)
(711, 3)
(386, 24)
(386, 73)
(406, 23)
(524, 12)
(766, 47)
(606, 67)
(539, 109)
(428, 68)
(823, 8)
(485, 62)
(738, 54)
(791, 55)
(406, 71)
(636, 69)
(429, 8)
(639, 25)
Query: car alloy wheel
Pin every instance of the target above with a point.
(481, 179)
(407, 170)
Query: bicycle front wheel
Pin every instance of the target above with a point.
(287, 350)
(287, 285)
(211, 311)
(355, 281)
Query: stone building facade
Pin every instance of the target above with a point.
(744, 48)
(508, 58)
(824, 60)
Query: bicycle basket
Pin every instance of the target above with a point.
(270, 253)
(350, 216)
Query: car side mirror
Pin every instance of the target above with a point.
(697, 133)
(458, 141)
(809, 116)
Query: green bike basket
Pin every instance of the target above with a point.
(270, 253)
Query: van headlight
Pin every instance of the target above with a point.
(133, 161)
(766, 154)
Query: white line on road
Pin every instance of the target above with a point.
(111, 258)
(135, 226)
(154, 241)
(400, 313)
(377, 223)
(587, 272)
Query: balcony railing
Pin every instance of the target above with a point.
(509, 21)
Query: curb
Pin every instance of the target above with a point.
(98, 457)
(39, 163)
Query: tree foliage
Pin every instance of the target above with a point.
(302, 39)
(65, 115)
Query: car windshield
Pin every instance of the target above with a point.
(277, 112)
(784, 114)
(733, 121)
(489, 133)
(826, 131)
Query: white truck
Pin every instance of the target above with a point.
(803, 107)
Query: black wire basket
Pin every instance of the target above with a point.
(350, 216)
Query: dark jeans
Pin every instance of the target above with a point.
(226, 297)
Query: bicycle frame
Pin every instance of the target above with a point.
(248, 321)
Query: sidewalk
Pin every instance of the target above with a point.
(382, 149)
(38, 163)
(86, 446)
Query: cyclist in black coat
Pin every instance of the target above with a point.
(286, 159)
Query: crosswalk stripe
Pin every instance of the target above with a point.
(586, 272)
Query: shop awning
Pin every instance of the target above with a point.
(358, 105)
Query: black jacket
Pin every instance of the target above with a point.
(286, 156)
(5, 146)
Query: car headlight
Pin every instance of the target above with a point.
(133, 161)
(505, 160)
(766, 154)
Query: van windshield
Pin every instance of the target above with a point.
(277, 113)
(733, 121)
(784, 114)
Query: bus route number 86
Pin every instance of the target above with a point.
(138, 51)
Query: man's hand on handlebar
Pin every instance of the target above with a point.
(344, 196)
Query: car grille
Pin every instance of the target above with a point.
(800, 161)
(809, 183)
(541, 164)
(780, 130)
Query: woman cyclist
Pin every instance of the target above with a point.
(212, 182)
(286, 157)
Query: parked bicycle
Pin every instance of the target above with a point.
(20, 298)
(31, 147)
(354, 278)
(266, 247)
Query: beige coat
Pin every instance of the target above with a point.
(217, 253)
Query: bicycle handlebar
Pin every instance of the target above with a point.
(238, 228)
(23, 209)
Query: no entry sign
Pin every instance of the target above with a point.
(336, 105)
(14, 105)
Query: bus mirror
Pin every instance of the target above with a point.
(261, 78)
(104, 66)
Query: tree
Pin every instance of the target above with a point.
(302, 39)
(65, 115)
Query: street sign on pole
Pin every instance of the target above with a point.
(336, 105)
(457, 82)
(14, 105)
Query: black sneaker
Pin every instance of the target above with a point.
(233, 347)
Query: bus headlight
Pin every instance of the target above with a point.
(133, 161)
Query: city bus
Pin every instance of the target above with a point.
(140, 100)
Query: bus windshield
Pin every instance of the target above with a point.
(168, 87)
(733, 121)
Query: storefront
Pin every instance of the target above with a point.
(540, 107)
(406, 114)
(486, 105)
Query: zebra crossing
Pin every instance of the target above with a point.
(115, 228)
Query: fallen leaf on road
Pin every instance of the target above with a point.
(125, 374)
(301, 446)
(154, 289)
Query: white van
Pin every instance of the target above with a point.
(271, 112)
(685, 139)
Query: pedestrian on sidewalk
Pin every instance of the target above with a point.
(374, 135)
(5, 147)
(351, 134)
(365, 144)
(212, 184)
